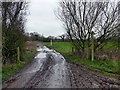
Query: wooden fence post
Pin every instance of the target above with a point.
(92, 37)
(51, 42)
(18, 55)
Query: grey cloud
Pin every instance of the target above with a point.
(42, 18)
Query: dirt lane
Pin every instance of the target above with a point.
(54, 74)
(49, 69)
(82, 77)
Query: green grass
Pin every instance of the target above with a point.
(105, 66)
(111, 45)
(108, 66)
(62, 47)
(10, 69)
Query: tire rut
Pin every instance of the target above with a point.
(38, 77)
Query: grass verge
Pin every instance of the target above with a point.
(11, 69)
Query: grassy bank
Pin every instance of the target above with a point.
(10, 69)
(108, 67)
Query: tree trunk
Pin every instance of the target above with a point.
(87, 51)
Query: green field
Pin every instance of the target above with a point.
(62, 47)
(108, 67)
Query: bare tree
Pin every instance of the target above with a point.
(107, 24)
(80, 19)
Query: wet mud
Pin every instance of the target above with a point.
(49, 69)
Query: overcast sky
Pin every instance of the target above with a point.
(42, 18)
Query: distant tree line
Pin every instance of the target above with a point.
(39, 37)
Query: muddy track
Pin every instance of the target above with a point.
(49, 69)
(85, 78)
(38, 77)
